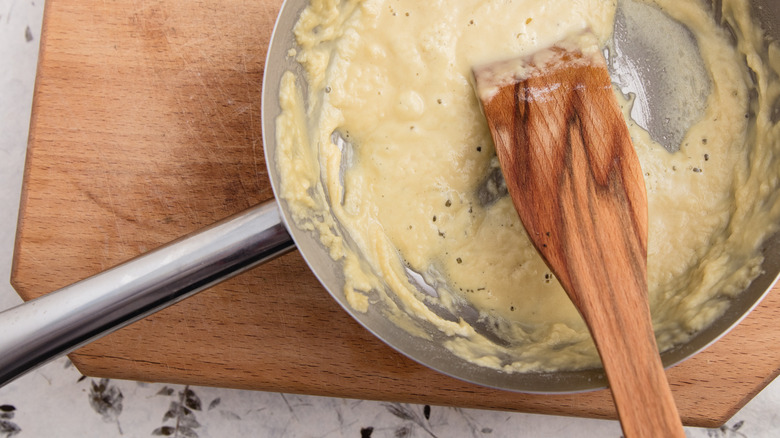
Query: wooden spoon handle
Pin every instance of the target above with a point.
(627, 346)
(597, 249)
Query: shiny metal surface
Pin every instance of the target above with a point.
(667, 100)
(431, 352)
(59, 322)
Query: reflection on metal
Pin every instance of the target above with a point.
(63, 320)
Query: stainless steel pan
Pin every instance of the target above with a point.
(61, 321)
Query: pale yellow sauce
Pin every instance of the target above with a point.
(394, 78)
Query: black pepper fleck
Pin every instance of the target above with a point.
(448, 203)
(479, 148)
(697, 170)
(459, 260)
(434, 218)
(706, 157)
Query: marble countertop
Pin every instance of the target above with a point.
(56, 400)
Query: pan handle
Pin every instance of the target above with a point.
(42, 329)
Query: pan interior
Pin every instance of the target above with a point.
(431, 351)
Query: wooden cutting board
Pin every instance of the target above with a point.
(146, 126)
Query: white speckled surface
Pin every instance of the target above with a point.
(57, 401)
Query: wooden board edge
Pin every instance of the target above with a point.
(578, 405)
(16, 284)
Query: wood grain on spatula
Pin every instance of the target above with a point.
(576, 183)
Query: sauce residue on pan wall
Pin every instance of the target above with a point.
(388, 159)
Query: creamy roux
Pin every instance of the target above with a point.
(398, 193)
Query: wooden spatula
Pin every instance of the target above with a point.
(575, 180)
